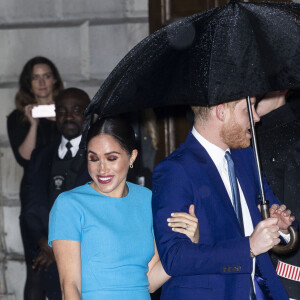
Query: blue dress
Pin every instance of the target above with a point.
(116, 237)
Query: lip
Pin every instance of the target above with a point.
(105, 179)
(69, 125)
(249, 132)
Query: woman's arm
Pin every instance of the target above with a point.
(156, 274)
(185, 223)
(29, 142)
(67, 255)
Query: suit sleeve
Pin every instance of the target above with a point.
(173, 192)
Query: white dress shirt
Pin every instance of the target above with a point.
(62, 149)
(218, 157)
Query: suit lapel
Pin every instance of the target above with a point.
(247, 182)
(210, 177)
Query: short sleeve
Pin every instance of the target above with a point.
(66, 219)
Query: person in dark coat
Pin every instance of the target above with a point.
(278, 136)
(39, 83)
(54, 168)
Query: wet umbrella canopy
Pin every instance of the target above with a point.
(216, 56)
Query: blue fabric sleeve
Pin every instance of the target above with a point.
(66, 219)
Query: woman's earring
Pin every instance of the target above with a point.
(131, 166)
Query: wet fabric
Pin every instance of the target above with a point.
(227, 53)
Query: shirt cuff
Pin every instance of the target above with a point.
(286, 237)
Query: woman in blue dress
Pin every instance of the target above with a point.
(102, 233)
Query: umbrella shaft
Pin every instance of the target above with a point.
(256, 155)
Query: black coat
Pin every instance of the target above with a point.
(279, 145)
(36, 202)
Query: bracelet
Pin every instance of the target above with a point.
(252, 254)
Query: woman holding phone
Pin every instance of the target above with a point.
(102, 233)
(39, 83)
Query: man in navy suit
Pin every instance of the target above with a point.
(215, 170)
(54, 168)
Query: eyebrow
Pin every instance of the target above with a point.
(112, 152)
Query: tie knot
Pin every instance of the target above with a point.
(68, 145)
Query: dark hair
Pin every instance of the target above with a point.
(73, 93)
(116, 127)
(25, 95)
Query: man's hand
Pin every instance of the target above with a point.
(264, 236)
(283, 215)
(45, 258)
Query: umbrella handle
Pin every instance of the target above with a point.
(281, 249)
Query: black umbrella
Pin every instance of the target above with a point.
(219, 55)
(223, 54)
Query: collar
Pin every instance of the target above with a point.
(216, 153)
(62, 147)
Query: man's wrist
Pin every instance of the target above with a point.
(252, 254)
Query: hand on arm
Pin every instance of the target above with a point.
(186, 224)
(29, 142)
(67, 255)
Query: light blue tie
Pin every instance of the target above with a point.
(237, 205)
(234, 190)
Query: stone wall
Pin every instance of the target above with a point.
(85, 39)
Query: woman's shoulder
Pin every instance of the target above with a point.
(82, 189)
(138, 189)
(15, 116)
(72, 197)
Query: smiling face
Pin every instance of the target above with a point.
(42, 81)
(108, 165)
(235, 132)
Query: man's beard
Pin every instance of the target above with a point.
(234, 136)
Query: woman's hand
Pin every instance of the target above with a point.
(28, 113)
(186, 223)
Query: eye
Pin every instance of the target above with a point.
(77, 110)
(48, 76)
(112, 158)
(34, 77)
(93, 158)
(60, 111)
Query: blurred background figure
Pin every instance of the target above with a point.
(146, 136)
(39, 82)
(54, 168)
(278, 135)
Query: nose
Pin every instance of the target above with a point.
(102, 167)
(42, 81)
(256, 117)
(69, 115)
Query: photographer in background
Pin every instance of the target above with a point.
(39, 82)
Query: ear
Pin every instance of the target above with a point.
(220, 112)
(133, 156)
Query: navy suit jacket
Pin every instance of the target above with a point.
(219, 266)
(37, 205)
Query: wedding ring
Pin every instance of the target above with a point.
(187, 226)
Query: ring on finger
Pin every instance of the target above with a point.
(187, 226)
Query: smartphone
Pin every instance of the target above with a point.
(43, 111)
